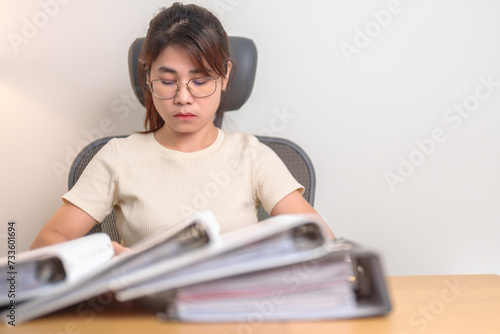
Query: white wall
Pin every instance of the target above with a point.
(358, 113)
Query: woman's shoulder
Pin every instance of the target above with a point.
(239, 138)
(133, 142)
(133, 139)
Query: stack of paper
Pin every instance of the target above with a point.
(307, 291)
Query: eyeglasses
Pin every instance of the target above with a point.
(168, 89)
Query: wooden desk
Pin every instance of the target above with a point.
(466, 304)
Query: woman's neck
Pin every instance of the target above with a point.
(186, 141)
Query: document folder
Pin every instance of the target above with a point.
(347, 282)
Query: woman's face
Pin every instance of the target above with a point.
(184, 113)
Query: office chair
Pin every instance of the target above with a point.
(244, 54)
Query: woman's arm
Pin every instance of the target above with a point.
(68, 223)
(294, 203)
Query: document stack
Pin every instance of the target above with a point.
(283, 268)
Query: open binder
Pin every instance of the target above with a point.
(45, 270)
(177, 247)
(346, 282)
(277, 241)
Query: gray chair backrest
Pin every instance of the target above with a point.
(292, 155)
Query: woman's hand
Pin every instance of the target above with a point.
(118, 248)
(294, 203)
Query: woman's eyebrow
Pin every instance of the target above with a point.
(165, 69)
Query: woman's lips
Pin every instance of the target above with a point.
(185, 116)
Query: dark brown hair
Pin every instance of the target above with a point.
(200, 34)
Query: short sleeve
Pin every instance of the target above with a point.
(271, 179)
(95, 190)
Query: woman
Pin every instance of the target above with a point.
(183, 163)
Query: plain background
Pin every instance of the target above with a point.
(361, 86)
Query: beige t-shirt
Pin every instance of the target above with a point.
(153, 188)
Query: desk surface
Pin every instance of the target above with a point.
(421, 304)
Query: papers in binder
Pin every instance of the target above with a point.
(347, 282)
